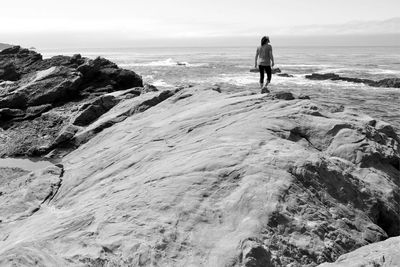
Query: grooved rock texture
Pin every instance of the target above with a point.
(213, 179)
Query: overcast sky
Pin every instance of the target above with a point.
(48, 23)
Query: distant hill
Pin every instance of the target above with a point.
(4, 46)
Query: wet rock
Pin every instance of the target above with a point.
(149, 88)
(323, 76)
(276, 70)
(282, 95)
(389, 82)
(285, 75)
(254, 254)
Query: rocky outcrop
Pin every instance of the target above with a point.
(19, 59)
(198, 177)
(96, 75)
(39, 131)
(388, 82)
(41, 96)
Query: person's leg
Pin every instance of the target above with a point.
(269, 73)
(261, 69)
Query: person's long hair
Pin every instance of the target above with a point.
(264, 40)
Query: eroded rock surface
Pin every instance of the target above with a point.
(206, 178)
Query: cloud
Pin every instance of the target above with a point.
(390, 26)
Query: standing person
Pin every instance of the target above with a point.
(265, 61)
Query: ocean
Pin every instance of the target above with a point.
(168, 67)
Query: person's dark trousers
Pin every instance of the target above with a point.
(266, 69)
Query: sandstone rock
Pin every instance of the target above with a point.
(385, 253)
(23, 196)
(120, 112)
(216, 179)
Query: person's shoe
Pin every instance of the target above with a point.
(261, 85)
(264, 90)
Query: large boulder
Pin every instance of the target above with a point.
(205, 178)
(101, 73)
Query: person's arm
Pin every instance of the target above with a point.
(272, 57)
(255, 63)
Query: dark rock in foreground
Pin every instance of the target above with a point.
(389, 82)
(38, 97)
